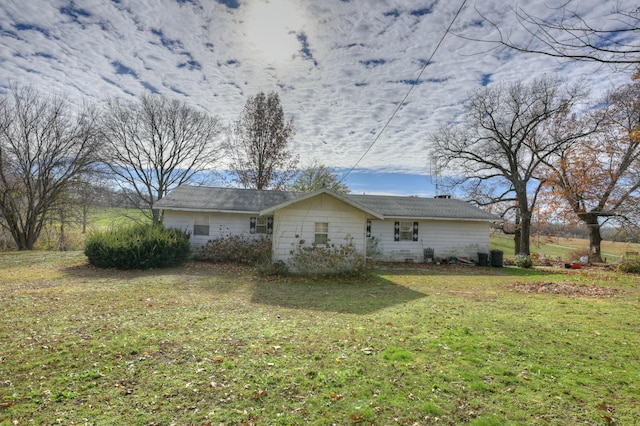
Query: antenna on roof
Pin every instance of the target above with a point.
(435, 179)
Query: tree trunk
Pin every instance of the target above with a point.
(85, 218)
(516, 235)
(525, 224)
(525, 233)
(595, 239)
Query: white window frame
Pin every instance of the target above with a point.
(200, 223)
(321, 235)
(406, 231)
(261, 225)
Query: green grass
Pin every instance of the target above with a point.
(206, 344)
(554, 247)
(106, 218)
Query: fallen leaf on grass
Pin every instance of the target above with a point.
(606, 407)
(335, 396)
(566, 289)
(367, 351)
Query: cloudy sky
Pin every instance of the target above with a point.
(341, 67)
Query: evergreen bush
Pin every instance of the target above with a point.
(137, 247)
(524, 261)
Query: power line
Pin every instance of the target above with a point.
(413, 84)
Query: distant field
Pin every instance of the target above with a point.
(98, 219)
(554, 247)
(111, 217)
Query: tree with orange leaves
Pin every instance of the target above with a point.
(599, 179)
(505, 136)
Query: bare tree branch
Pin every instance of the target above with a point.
(43, 148)
(156, 144)
(503, 139)
(257, 145)
(569, 35)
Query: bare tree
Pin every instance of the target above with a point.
(501, 144)
(43, 147)
(87, 193)
(257, 145)
(317, 176)
(156, 144)
(599, 178)
(613, 40)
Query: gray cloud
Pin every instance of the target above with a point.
(353, 62)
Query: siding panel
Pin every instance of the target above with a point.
(220, 225)
(447, 238)
(297, 223)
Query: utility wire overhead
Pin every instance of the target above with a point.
(413, 84)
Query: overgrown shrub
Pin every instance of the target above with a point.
(277, 268)
(630, 266)
(237, 249)
(329, 260)
(524, 261)
(374, 253)
(137, 247)
(578, 253)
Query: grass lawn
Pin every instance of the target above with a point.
(205, 344)
(553, 247)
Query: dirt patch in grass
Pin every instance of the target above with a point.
(565, 289)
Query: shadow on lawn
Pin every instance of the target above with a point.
(359, 298)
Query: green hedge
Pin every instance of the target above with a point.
(137, 247)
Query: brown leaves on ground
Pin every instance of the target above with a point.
(565, 289)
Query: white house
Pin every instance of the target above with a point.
(404, 228)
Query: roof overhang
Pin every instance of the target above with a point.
(199, 210)
(456, 219)
(316, 193)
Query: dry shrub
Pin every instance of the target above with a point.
(236, 249)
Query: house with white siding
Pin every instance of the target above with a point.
(405, 229)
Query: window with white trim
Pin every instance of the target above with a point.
(201, 224)
(261, 225)
(322, 233)
(406, 231)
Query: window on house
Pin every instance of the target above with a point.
(201, 224)
(261, 225)
(405, 231)
(322, 233)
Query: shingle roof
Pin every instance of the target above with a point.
(423, 208)
(200, 198)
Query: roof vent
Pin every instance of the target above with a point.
(447, 196)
